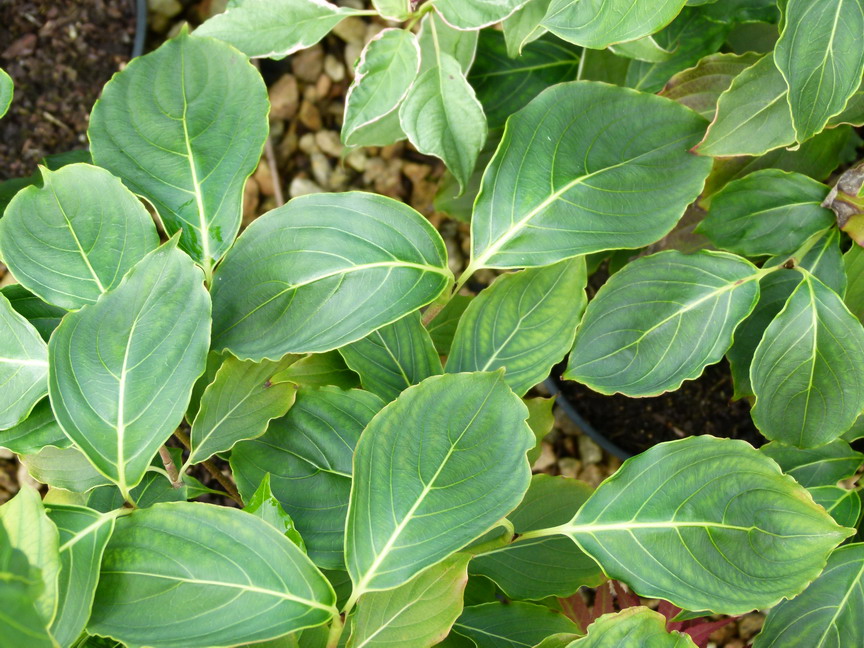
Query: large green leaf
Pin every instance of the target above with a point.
(419, 613)
(437, 36)
(853, 262)
(45, 317)
(442, 328)
(394, 357)
(387, 69)
(212, 576)
(524, 27)
(238, 405)
(809, 387)
(511, 625)
(828, 613)
(600, 23)
(842, 504)
(308, 454)
(23, 366)
(477, 13)
(74, 237)
(767, 212)
(122, 369)
(822, 466)
(442, 117)
(318, 370)
(820, 55)
(423, 483)
(393, 9)
(708, 524)
(274, 28)
(324, 271)
(661, 320)
(505, 85)
(581, 187)
(184, 126)
(38, 430)
(634, 626)
(524, 322)
(65, 468)
(83, 536)
(22, 625)
(700, 86)
(31, 532)
(542, 567)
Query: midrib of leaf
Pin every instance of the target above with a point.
(427, 488)
(75, 238)
(95, 526)
(855, 584)
(527, 68)
(24, 363)
(246, 588)
(814, 324)
(199, 199)
(630, 525)
(393, 357)
(121, 415)
(492, 635)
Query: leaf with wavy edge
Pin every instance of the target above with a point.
(323, 271)
(828, 613)
(23, 366)
(707, 524)
(842, 504)
(470, 16)
(573, 190)
(822, 466)
(393, 9)
(700, 86)
(635, 626)
(523, 27)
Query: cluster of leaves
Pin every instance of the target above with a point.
(388, 495)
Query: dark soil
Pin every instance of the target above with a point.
(59, 54)
(702, 406)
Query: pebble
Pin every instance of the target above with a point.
(416, 172)
(167, 8)
(334, 68)
(385, 176)
(547, 458)
(589, 451)
(329, 142)
(353, 4)
(569, 467)
(264, 178)
(591, 474)
(287, 147)
(302, 187)
(323, 86)
(340, 179)
(750, 624)
(251, 197)
(351, 30)
(284, 98)
(321, 169)
(352, 54)
(454, 256)
(308, 64)
(308, 144)
(357, 160)
(310, 116)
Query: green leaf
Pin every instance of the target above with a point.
(752, 115)
(524, 322)
(122, 369)
(505, 85)
(23, 366)
(419, 613)
(442, 328)
(661, 320)
(238, 405)
(73, 238)
(317, 254)
(842, 504)
(632, 626)
(65, 468)
(600, 23)
(442, 117)
(21, 623)
(828, 613)
(387, 69)
(569, 192)
(38, 430)
(476, 14)
(239, 580)
(540, 420)
(537, 568)
(263, 504)
(318, 370)
(853, 262)
(184, 126)
(461, 45)
(767, 212)
(83, 536)
(511, 625)
(43, 316)
(822, 466)
(393, 9)
(308, 454)
(214, 361)
(820, 55)
(700, 86)
(32, 532)
(274, 28)
(809, 388)
(707, 524)
(418, 494)
(524, 27)
(643, 49)
(7, 91)
(394, 357)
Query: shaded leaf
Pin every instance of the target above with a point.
(7, 90)
(23, 366)
(65, 468)
(263, 504)
(512, 625)
(523, 26)
(842, 504)
(318, 370)
(461, 45)
(822, 466)
(442, 328)
(38, 430)
(540, 420)
(43, 316)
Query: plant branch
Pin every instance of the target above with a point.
(230, 488)
(170, 467)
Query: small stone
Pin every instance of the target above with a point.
(251, 197)
(310, 94)
(303, 187)
(323, 86)
(569, 467)
(392, 151)
(167, 8)
(287, 147)
(328, 141)
(321, 169)
(340, 179)
(357, 160)
(308, 64)
(416, 172)
(351, 30)
(334, 68)
(308, 144)
(589, 451)
(454, 256)
(175, 30)
(209, 8)
(264, 178)
(566, 424)
(591, 474)
(277, 129)
(385, 176)
(352, 54)
(310, 116)
(373, 29)
(284, 98)
(750, 624)
(547, 458)
(351, 4)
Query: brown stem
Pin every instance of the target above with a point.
(270, 154)
(170, 467)
(230, 488)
